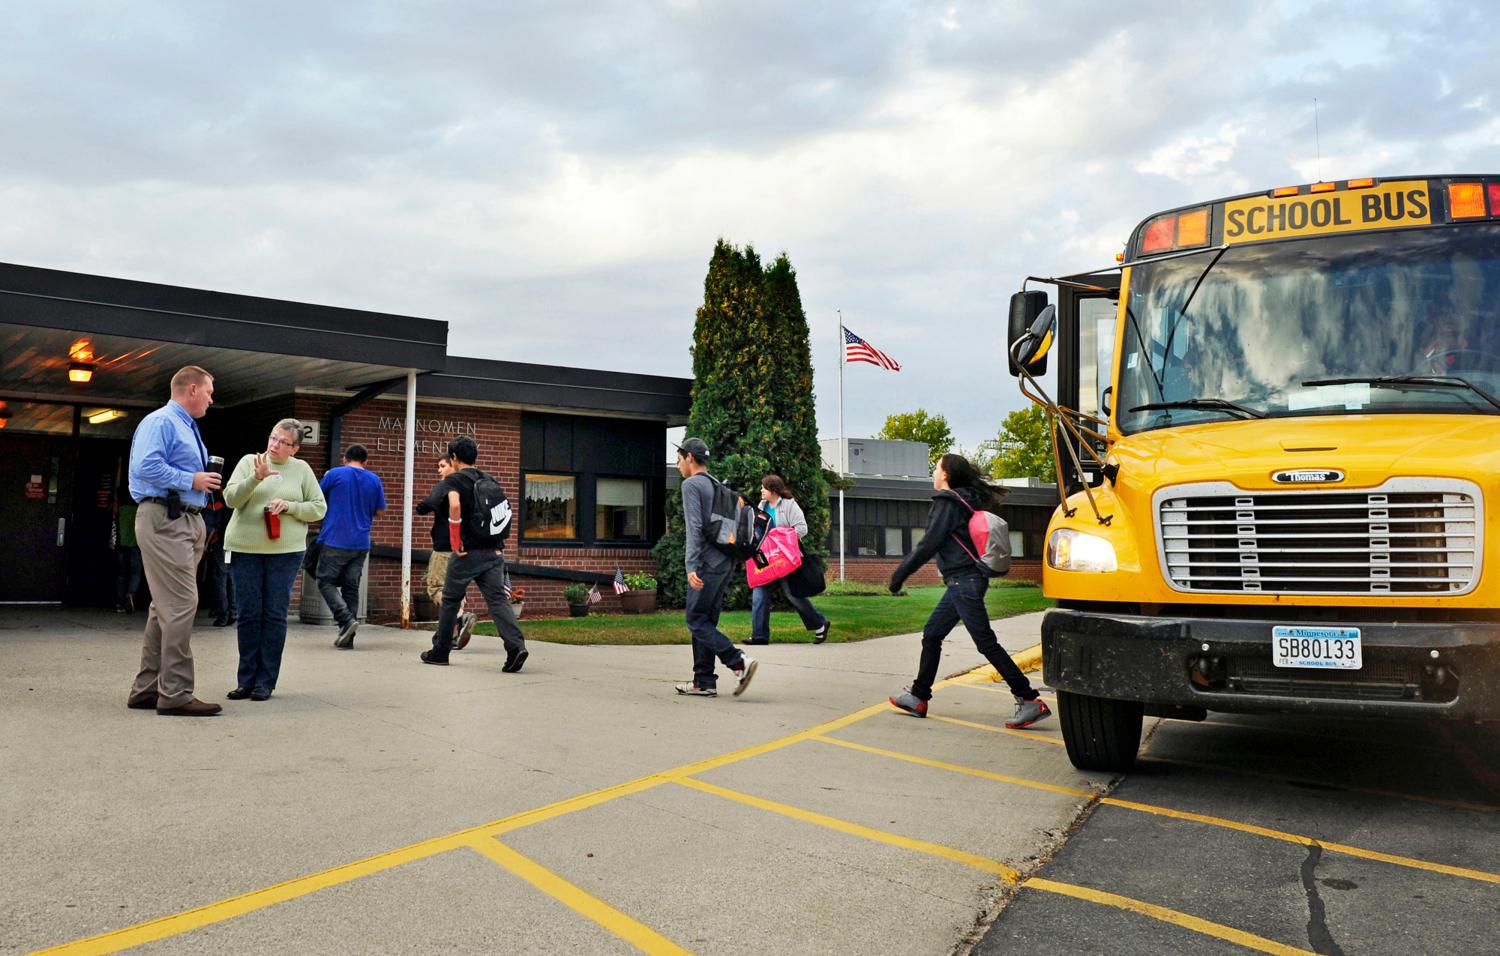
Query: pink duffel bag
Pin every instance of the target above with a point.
(783, 554)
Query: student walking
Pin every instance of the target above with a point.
(708, 574)
(355, 495)
(960, 492)
(171, 483)
(436, 504)
(478, 521)
(783, 512)
(275, 496)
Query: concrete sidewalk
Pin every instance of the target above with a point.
(112, 817)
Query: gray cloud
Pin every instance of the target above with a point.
(550, 177)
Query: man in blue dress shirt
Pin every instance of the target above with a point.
(171, 481)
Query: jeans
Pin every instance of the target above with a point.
(339, 571)
(128, 576)
(487, 570)
(760, 610)
(703, 609)
(263, 591)
(964, 601)
(220, 584)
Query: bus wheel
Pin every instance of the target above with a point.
(1101, 734)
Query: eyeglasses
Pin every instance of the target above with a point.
(283, 442)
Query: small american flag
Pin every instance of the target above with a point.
(857, 349)
(620, 585)
(507, 588)
(594, 596)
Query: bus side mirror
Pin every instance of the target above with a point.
(1026, 308)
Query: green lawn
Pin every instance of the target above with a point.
(854, 617)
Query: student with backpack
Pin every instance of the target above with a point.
(720, 529)
(963, 511)
(478, 521)
(784, 512)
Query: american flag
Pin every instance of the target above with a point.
(620, 586)
(857, 349)
(594, 596)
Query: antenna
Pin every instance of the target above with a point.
(1318, 139)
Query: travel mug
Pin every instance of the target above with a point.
(273, 524)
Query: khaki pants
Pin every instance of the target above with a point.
(437, 573)
(170, 551)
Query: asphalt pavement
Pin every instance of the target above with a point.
(1283, 835)
(376, 804)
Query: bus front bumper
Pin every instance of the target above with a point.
(1416, 670)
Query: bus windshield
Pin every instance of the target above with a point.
(1410, 316)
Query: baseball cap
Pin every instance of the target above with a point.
(695, 449)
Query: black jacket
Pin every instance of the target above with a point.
(946, 517)
(436, 504)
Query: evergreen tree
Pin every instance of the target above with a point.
(728, 364)
(790, 439)
(752, 401)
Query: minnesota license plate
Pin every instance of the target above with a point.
(1331, 648)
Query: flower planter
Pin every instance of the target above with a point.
(638, 602)
(517, 608)
(578, 610)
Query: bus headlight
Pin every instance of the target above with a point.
(1069, 550)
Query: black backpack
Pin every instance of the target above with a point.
(488, 521)
(733, 527)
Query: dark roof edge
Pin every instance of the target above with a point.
(560, 387)
(103, 305)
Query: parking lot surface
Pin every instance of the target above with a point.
(1283, 835)
(377, 804)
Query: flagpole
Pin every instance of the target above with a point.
(843, 446)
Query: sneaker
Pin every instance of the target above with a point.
(744, 672)
(431, 657)
(821, 634)
(345, 640)
(465, 630)
(1028, 712)
(690, 689)
(514, 662)
(910, 703)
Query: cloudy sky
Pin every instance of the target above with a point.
(550, 177)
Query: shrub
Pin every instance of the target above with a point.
(576, 594)
(640, 582)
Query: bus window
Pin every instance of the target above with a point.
(1096, 348)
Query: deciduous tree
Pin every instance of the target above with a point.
(931, 430)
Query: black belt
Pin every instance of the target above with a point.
(188, 509)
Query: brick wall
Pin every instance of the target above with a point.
(380, 426)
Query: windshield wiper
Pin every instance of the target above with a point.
(1396, 381)
(1215, 404)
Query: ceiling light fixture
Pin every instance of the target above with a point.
(105, 415)
(80, 372)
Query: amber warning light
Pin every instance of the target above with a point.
(1181, 230)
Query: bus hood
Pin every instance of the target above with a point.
(1365, 449)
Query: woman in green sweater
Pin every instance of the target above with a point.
(274, 496)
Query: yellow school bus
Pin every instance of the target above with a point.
(1277, 422)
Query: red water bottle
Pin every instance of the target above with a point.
(273, 524)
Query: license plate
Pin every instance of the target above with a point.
(1330, 648)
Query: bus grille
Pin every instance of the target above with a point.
(1409, 536)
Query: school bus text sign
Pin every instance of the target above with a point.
(1387, 206)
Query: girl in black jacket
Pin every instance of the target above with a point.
(960, 492)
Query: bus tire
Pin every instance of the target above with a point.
(1100, 734)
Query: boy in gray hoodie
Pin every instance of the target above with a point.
(708, 571)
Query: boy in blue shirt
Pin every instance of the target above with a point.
(355, 496)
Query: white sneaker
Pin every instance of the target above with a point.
(744, 673)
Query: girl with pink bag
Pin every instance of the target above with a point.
(783, 512)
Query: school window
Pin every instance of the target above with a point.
(620, 509)
(551, 507)
(893, 542)
(917, 534)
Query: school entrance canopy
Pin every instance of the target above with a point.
(93, 349)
